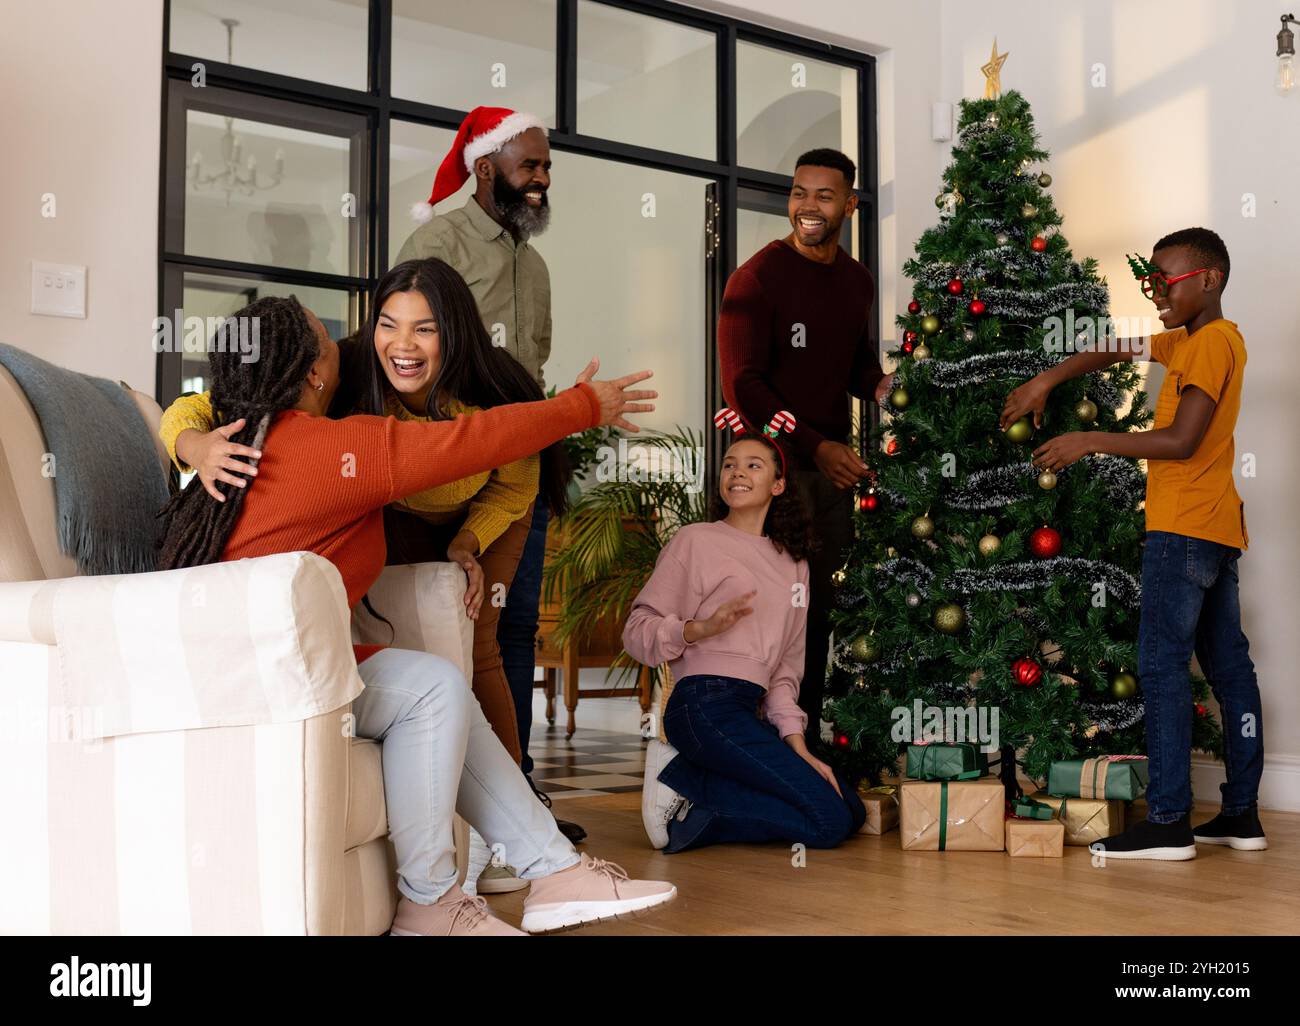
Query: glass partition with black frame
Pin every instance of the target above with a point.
(673, 133)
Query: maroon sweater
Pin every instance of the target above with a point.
(764, 371)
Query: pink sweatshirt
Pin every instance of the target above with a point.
(703, 566)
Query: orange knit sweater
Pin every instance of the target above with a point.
(322, 484)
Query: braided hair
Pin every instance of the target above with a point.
(196, 526)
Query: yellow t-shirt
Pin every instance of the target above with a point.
(1196, 496)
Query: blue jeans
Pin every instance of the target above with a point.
(747, 784)
(1189, 604)
(440, 757)
(517, 629)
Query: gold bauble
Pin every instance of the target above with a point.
(1021, 431)
(929, 325)
(838, 578)
(1047, 480)
(1123, 685)
(1086, 411)
(1028, 210)
(913, 600)
(1044, 179)
(865, 649)
(949, 618)
(938, 200)
(1001, 238)
(860, 683)
(899, 398)
(989, 545)
(921, 352)
(923, 528)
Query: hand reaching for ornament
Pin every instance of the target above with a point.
(1029, 397)
(840, 463)
(1063, 450)
(724, 617)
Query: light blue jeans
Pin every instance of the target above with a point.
(441, 757)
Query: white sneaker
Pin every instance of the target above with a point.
(659, 802)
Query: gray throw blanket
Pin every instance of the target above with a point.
(108, 485)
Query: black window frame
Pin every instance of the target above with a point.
(377, 105)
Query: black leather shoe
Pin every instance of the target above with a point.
(572, 831)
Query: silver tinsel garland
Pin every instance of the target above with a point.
(1010, 363)
(1120, 584)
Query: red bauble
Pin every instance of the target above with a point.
(891, 446)
(910, 337)
(1039, 244)
(914, 307)
(842, 740)
(1201, 710)
(908, 347)
(1026, 673)
(954, 287)
(977, 307)
(869, 503)
(1045, 543)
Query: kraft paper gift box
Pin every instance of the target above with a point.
(1035, 838)
(1086, 819)
(881, 804)
(956, 815)
(946, 761)
(1107, 776)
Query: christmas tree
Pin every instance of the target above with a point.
(975, 583)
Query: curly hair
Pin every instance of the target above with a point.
(787, 523)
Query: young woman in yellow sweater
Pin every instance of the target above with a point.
(420, 357)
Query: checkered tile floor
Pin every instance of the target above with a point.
(593, 762)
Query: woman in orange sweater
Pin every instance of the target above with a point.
(425, 355)
(321, 486)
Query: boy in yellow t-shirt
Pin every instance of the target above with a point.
(1196, 530)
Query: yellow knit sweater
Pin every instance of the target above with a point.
(489, 502)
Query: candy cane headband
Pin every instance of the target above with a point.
(782, 420)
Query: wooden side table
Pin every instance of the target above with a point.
(599, 647)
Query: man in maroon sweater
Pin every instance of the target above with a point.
(793, 335)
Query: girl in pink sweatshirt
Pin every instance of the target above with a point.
(726, 609)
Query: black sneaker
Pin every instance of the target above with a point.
(1165, 842)
(1241, 831)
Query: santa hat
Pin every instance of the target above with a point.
(484, 130)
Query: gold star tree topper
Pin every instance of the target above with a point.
(993, 72)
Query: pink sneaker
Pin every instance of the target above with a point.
(455, 914)
(590, 891)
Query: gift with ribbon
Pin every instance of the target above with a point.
(1085, 819)
(957, 760)
(881, 804)
(1028, 808)
(956, 815)
(1035, 838)
(1107, 777)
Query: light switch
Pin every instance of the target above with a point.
(58, 290)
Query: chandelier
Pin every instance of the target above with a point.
(236, 174)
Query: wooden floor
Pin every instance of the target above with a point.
(871, 886)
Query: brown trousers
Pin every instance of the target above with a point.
(412, 539)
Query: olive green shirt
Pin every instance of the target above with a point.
(509, 279)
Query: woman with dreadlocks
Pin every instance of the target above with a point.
(320, 485)
(424, 354)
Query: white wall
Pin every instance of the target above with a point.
(81, 83)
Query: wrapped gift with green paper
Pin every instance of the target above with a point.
(957, 760)
(1122, 777)
(1028, 808)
